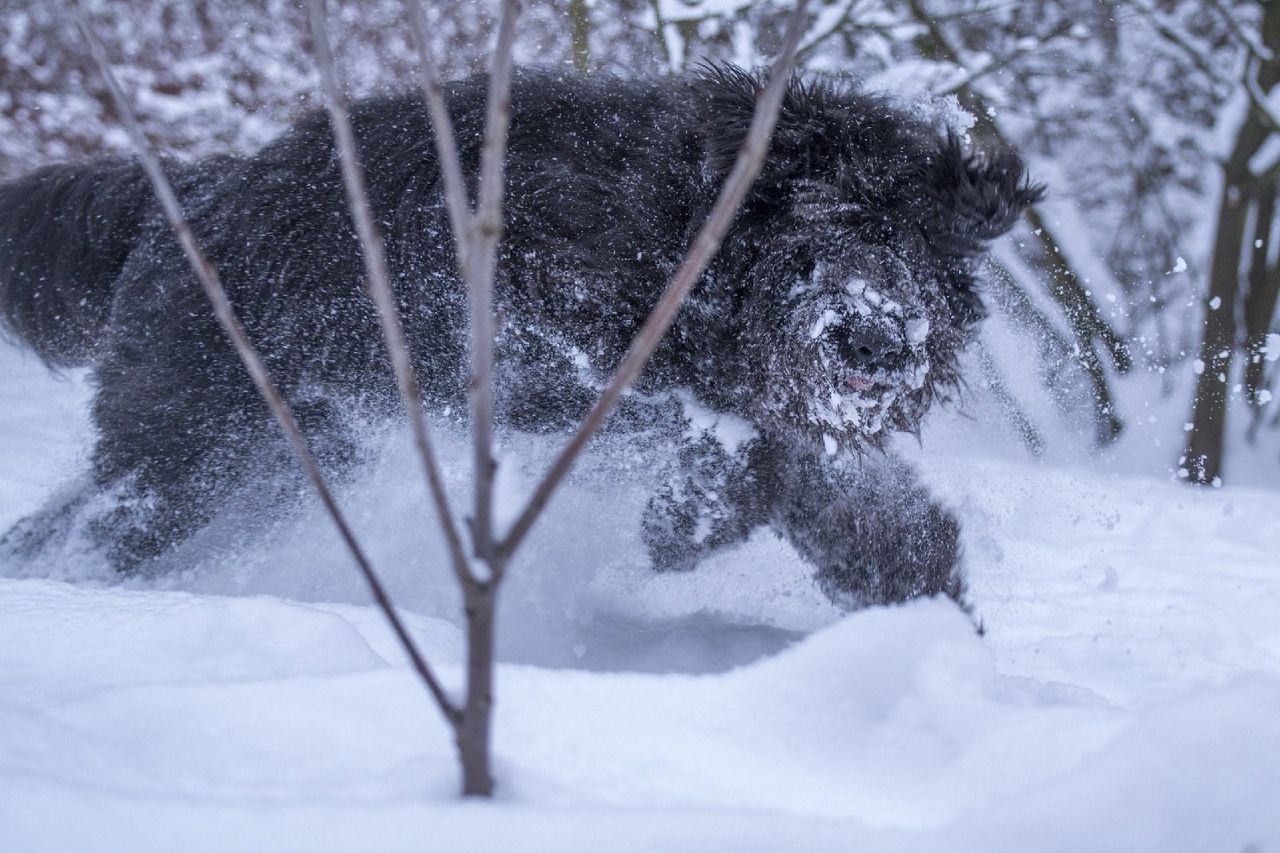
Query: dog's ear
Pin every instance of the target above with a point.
(974, 197)
(725, 98)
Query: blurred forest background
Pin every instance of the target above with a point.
(1155, 124)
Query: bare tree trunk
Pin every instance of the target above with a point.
(1260, 303)
(1087, 325)
(476, 239)
(481, 593)
(475, 731)
(1202, 459)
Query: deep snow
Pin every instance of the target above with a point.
(1125, 695)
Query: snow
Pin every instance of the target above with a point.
(1124, 695)
(727, 430)
(1271, 351)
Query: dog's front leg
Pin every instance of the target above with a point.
(873, 532)
(719, 489)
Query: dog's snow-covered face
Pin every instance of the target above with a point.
(862, 349)
(868, 362)
(857, 251)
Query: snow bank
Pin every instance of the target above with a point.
(1124, 696)
(127, 725)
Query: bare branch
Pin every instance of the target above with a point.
(1009, 404)
(839, 21)
(971, 77)
(750, 159)
(1157, 20)
(479, 264)
(380, 289)
(455, 187)
(660, 30)
(497, 118)
(1266, 113)
(476, 237)
(226, 316)
(1259, 50)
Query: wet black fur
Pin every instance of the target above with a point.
(608, 180)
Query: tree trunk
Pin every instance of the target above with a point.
(1202, 460)
(1064, 286)
(1260, 303)
(1087, 325)
(474, 731)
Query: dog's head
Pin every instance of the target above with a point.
(853, 259)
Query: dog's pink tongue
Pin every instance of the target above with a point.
(858, 382)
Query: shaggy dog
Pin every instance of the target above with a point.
(832, 316)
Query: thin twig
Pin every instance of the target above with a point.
(226, 316)
(660, 30)
(1009, 404)
(969, 78)
(1155, 19)
(455, 187)
(380, 289)
(1258, 50)
(480, 264)
(497, 119)
(750, 159)
(1267, 114)
(476, 238)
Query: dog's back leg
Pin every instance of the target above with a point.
(175, 443)
(48, 528)
(177, 430)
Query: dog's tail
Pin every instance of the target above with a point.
(65, 233)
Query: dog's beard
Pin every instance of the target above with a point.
(839, 406)
(851, 411)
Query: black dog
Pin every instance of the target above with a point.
(832, 316)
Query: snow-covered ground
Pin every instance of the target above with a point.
(1125, 695)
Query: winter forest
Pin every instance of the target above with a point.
(1113, 460)
(1148, 121)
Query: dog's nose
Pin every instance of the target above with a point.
(867, 346)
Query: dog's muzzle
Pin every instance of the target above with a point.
(869, 349)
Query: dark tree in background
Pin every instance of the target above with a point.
(1240, 297)
(1150, 120)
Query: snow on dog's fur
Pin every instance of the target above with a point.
(832, 316)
